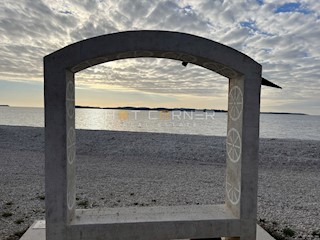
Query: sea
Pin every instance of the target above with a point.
(177, 122)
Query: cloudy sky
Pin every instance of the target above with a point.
(283, 36)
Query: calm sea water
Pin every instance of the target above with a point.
(200, 123)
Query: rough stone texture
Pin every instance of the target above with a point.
(127, 169)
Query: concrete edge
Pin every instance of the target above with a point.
(37, 231)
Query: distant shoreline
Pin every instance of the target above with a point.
(172, 109)
(153, 109)
(179, 109)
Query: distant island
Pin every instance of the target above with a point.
(154, 109)
(178, 109)
(4, 105)
(284, 113)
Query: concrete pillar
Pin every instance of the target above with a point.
(242, 146)
(60, 151)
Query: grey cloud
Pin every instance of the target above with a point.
(286, 44)
(161, 76)
(34, 19)
(136, 10)
(92, 29)
(87, 5)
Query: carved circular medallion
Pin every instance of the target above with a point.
(71, 145)
(234, 145)
(233, 193)
(235, 103)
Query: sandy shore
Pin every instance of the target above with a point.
(145, 169)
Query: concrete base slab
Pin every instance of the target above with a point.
(37, 231)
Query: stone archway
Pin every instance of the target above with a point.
(236, 218)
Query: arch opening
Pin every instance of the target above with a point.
(149, 192)
(156, 76)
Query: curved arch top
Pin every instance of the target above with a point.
(159, 44)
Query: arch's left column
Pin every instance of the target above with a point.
(60, 149)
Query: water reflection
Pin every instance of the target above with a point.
(198, 122)
(271, 126)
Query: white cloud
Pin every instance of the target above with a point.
(285, 43)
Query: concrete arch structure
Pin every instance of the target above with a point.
(236, 218)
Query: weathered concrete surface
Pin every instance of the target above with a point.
(242, 137)
(38, 232)
(177, 222)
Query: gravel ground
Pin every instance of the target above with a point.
(147, 169)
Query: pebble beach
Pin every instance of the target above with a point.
(123, 169)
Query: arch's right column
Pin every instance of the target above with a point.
(242, 146)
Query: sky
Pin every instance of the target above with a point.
(283, 36)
